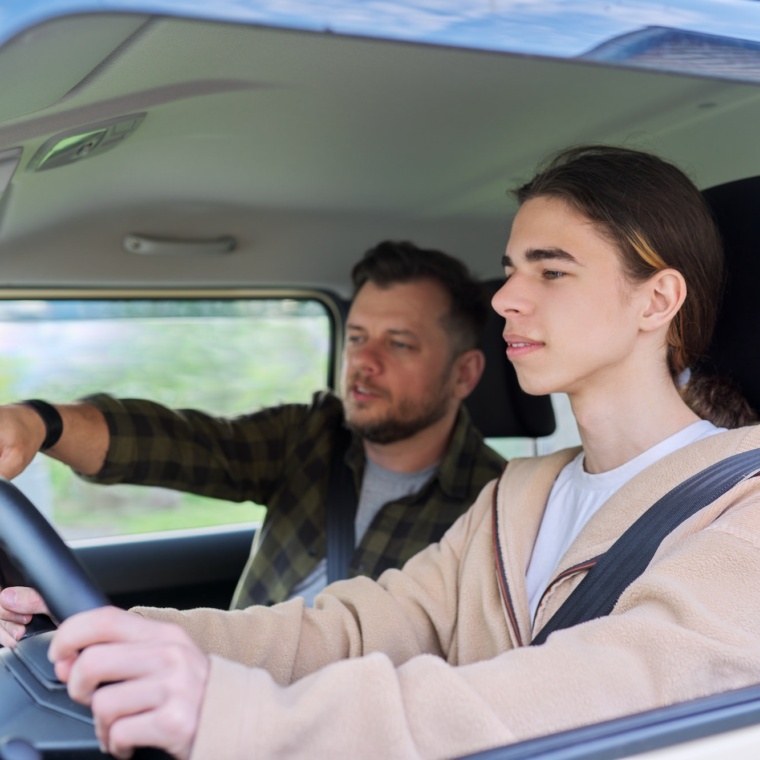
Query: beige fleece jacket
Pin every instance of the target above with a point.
(430, 662)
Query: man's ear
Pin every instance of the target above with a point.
(467, 371)
(666, 292)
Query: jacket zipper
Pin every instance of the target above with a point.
(501, 574)
(586, 565)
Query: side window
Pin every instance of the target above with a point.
(226, 356)
(564, 436)
(566, 433)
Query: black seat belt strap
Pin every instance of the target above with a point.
(628, 557)
(340, 508)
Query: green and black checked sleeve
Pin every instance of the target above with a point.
(241, 458)
(280, 457)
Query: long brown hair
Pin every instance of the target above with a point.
(657, 219)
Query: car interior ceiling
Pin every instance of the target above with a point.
(297, 142)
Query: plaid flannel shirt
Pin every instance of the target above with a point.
(280, 457)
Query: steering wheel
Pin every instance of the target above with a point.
(40, 555)
(34, 705)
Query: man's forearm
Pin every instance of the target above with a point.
(83, 445)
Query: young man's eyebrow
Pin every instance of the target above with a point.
(542, 254)
(550, 254)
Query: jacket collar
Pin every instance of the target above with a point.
(628, 503)
(530, 482)
(521, 496)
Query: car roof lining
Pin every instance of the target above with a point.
(57, 56)
(340, 140)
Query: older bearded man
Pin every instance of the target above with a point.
(411, 453)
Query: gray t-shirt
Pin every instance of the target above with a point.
(379, 486)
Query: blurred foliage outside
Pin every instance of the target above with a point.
(226, 357)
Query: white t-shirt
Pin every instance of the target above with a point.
(379, 486)
(577, 495)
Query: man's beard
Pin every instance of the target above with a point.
(403, 423)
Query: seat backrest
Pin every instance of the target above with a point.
(498, 406)
(735, 348)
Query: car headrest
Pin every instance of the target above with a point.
(734, 349)
(498, 406)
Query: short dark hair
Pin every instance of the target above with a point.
(391, 262)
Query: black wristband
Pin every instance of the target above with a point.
(52, 419)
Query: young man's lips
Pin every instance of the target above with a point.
(518, 346)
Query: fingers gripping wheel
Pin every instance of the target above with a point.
(43, 559)
(34, 706)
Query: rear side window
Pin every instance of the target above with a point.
(226, 356)
(565, 435)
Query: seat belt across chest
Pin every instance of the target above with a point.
(340, 508)
(597, 594)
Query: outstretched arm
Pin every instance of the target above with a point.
(82, 446)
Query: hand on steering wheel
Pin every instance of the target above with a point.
(43, 559)
(31, 546)
(18, 605)
(143, 680)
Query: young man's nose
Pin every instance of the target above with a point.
(510, 297)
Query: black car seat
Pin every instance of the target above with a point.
(735, 348)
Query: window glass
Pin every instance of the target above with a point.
(566, 433)
(224, 356)
(564, 436)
